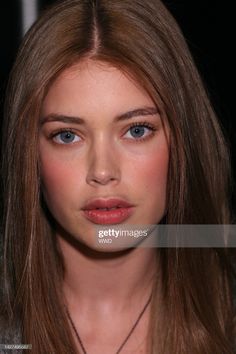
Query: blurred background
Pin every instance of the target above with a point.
(208, 29)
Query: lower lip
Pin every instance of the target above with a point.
(107, 217)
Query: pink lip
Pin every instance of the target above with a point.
(93, 212)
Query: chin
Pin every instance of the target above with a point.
(101, 250)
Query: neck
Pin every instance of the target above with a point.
(98, 282)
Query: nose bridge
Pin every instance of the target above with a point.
(103, 162)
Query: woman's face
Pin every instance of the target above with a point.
(103, 151)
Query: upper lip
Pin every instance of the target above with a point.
(106, 203)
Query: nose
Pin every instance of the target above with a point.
(103, 165)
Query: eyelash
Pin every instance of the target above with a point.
(152, 130)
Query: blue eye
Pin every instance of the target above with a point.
(139, 131)
(66, 137)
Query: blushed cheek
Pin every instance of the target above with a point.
(157, 170)
(57, 182)
(153, 170)
(150, 181)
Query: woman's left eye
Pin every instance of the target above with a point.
(66, 137)
(139, 131)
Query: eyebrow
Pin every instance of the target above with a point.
(55, 117)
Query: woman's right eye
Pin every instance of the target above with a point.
(65, 137)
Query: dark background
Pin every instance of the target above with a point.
(208, 29)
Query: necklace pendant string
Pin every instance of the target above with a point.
(126, 338)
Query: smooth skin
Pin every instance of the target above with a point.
(101, 136)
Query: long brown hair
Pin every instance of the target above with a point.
(194, 311)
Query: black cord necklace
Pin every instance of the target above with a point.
(127, 337)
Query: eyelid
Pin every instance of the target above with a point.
(63, 130)
(146, 124)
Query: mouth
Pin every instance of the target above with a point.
(107, 211)
(113, 208)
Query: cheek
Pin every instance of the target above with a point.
(152, 186)
(155, 171)
(150, 172)
(58, 181)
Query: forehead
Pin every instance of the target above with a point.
(99, 72)
(95, 84)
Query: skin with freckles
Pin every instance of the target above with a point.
(97, 155)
